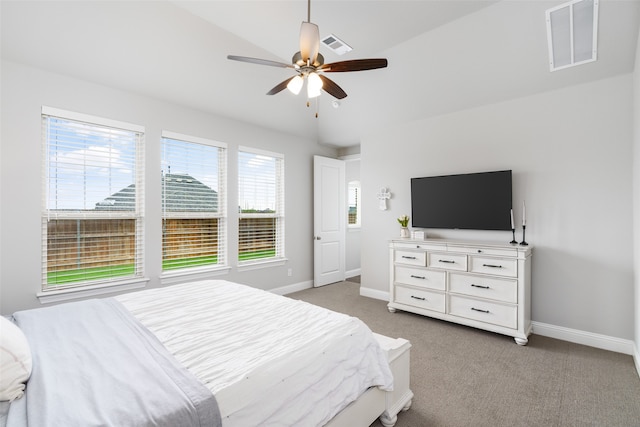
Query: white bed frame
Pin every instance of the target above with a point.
(376, 403)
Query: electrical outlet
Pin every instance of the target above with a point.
(290, 272)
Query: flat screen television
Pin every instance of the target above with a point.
(473, 201)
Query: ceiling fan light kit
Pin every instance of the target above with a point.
(314, 84)
(309, 65)
(295, 84)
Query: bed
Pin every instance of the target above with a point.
(206, 353)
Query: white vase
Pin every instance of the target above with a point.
(404, 232)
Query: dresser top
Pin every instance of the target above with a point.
(443, 244)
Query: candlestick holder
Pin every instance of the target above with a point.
(513, 241)
(524, 242)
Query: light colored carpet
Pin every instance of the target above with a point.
(463, 376)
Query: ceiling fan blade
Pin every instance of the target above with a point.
(259, 61)
(332, 88)
(309, 42)
(354, 65)
(280, 86)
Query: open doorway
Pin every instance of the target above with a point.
(354, 198)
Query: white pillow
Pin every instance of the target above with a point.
(15, 360)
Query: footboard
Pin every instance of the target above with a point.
(376, 403)
(400, 398)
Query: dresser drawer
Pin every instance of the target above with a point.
(419, 245)
(420, 277)
(447, 261)
(485, 287)
(421, 298)
(512, 253)
(507, 267)
(411, 258)
(484, 311)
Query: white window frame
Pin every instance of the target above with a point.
(355, 186)
(279, 215)
(170, 276)
(57, 292)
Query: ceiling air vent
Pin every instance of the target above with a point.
(572, 33)
(336, 45)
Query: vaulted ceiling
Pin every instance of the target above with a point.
(444, 55)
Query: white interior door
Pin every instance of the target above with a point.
(329, 223)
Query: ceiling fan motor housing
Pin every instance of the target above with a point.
(297, 60)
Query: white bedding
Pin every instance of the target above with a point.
(268, 359)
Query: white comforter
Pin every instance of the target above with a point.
(268, 359)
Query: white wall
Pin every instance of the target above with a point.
(636, 199)
(25, 90)
(571, 155)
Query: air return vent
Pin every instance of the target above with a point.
(572, 33)
(336, 45)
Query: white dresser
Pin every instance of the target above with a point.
(484, 285)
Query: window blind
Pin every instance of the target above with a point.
(193, 202)
(261, 205)
(93, 188)
(353, 203)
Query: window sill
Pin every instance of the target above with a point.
(47, 297)
(255, 265)
(181, 276)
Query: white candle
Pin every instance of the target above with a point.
(513, 225)
(524, 214)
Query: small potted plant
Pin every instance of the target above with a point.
(404, 221)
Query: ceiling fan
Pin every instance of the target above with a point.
(309, 65)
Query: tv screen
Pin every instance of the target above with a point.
(474, 201)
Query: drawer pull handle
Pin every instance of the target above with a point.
(418, 277)
(479, 286)
(408, 257)
(420, 298)
(481, 311)
(492, 265)
(447, 261)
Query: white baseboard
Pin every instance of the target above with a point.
(604, 342)
(301, 286)
(636, 358)
(352, 273)
(289, 289)
(374, 293)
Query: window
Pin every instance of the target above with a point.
(261, 206)
(353, 203)
(92, 218)
(193, 202)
